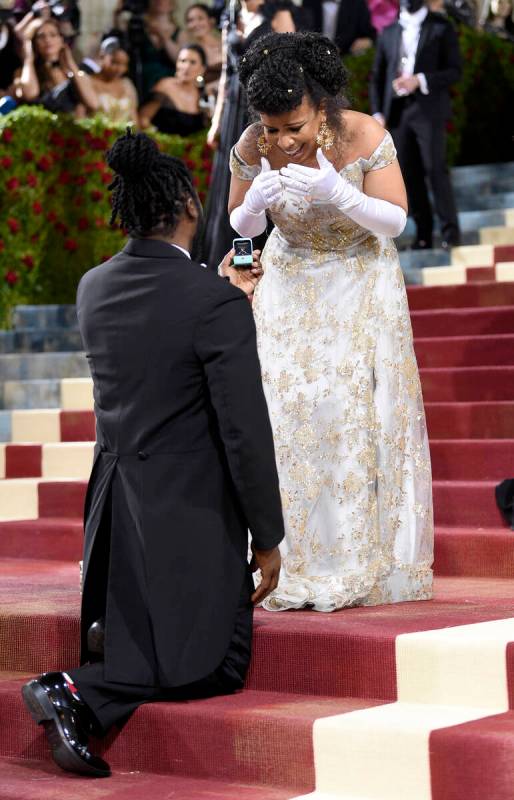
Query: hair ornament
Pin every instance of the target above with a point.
(266, 52)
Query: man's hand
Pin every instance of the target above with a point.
(244, 279)
(268, 561)
(406, 84)
(360, 45)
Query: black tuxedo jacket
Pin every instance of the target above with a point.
(353, 21)
(437, 56)
(185, 462)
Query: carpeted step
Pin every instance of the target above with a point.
(43, 366)
(469, 459)
(465, 351)
(46, 340)
(55, 538)
(479, 552)
(56, 460)
(44, 316)
(24, 779)
(466, 296)
(463, 321)
(30, 498)
(252, 737)
(350, 653)
(470, 420)
(466, 503)
(458, 384)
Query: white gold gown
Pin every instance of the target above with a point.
(344, 397)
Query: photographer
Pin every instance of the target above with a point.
(50, 76)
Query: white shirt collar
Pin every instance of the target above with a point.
(415, 20)
(182, 249)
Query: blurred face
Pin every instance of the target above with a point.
(294, 132)
(189, 66)
(48, 42)
(198, 23)
(252, 5)
(501, 8)
(114, 65)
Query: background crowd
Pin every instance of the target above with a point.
(153, 66)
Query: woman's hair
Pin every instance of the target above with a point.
(197, 49)
(203, 7)
(111, 45)
(150, 189)
(279, 69)
(39, 65)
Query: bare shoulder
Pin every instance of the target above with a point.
(165, 85)
(363, 133)
(247, 144)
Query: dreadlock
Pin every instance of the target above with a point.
(150, 188)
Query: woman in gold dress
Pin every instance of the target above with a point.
(334, 333)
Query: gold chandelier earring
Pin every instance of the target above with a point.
(325, 138)
(263, 146)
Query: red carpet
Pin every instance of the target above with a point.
(258, 745)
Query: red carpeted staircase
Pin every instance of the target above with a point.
(307, 667)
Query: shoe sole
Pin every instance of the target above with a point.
(43, 713)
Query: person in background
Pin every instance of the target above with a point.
(117, 96)
(200, 25)
(160, 42)
(500, 20)
(50, 76)
(346, 22)
(10, 53)
(230, 118)
(383, 13)
(175, 105)
(416, 62)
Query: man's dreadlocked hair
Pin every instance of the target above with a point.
(279, 69)
(150, 188)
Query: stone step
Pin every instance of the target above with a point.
(475, 202)
(43, 366)
(30, 394)
(44, 316)
(470, 223)
(473, 174)
(44, 340)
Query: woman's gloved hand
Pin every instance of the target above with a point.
(266, 188)
(324, 184)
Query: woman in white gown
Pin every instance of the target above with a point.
(334, 334)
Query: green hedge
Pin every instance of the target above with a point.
(54, 202)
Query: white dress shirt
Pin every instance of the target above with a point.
(411, 31)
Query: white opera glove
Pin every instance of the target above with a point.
(326, 185)
(249, 219)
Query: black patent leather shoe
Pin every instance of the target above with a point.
(67, 721)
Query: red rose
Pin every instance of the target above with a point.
(51, 216)
(50, 190)
(195, 180)
(83, 224)
(13, 224)
(190, 164)
(80, 180)
(106, 178)
(72, 141)
(34, 238)
(28, 260)
(57, 139)
(96, 195)
(6, 162)
(11, 277)
(64, 177)
(7, 135)
(31, 180)
(207, 164)
(2, 245)
(71, 245)
(79, 201)
(99, 222)
(61, 228)
(12, 184)
(202, 195)
(44, 163)
(37, 208)
(107, 133)
(28, 155)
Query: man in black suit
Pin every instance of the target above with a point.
(346, 22)
(184, 466)
(417, 61)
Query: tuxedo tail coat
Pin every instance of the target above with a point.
(184, 463)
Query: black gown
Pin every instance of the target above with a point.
(218, 233)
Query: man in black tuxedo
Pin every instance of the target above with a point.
(346, 22)
(417, 60)
(184, 466)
